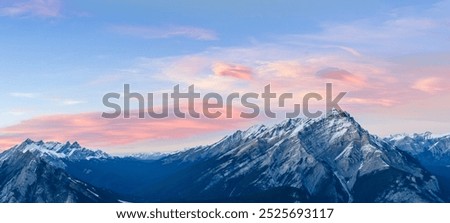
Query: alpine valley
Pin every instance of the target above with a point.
(327, 159)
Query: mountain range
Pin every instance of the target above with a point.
(326, 159)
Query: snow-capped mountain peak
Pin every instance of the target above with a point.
(332, 151)
(56, 150)
(36, 171)
(427, 147)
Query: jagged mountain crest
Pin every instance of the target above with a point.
(326, 159)
(428, 148)
(72, 151)
(329, 158)
(292, 125)
(35, 172)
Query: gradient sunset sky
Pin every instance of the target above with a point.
(58, 58)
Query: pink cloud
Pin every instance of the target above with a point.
(230, 70)
(430, 85)
(339, 74)
(91, 130)
(41, 8)
(371, 101)
(282, 69)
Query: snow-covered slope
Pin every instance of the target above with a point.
(34, 172)
(428, 148)
(329, 159)
(60, 150)
(53, 152)
(432, 151)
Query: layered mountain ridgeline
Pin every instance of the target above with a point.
(328, 159)
(35, 172)
(432, 151)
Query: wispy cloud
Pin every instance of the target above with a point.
(40, 8)
(371, 101)
(334, 73)
(402, 30)
(150, 32)
(17, 112)
(71, 102)
(372, 79)
(431, 85)
(44, 97)
(24, 95)
(350, 50)
(92, 130)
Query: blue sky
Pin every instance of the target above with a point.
(59, 58)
